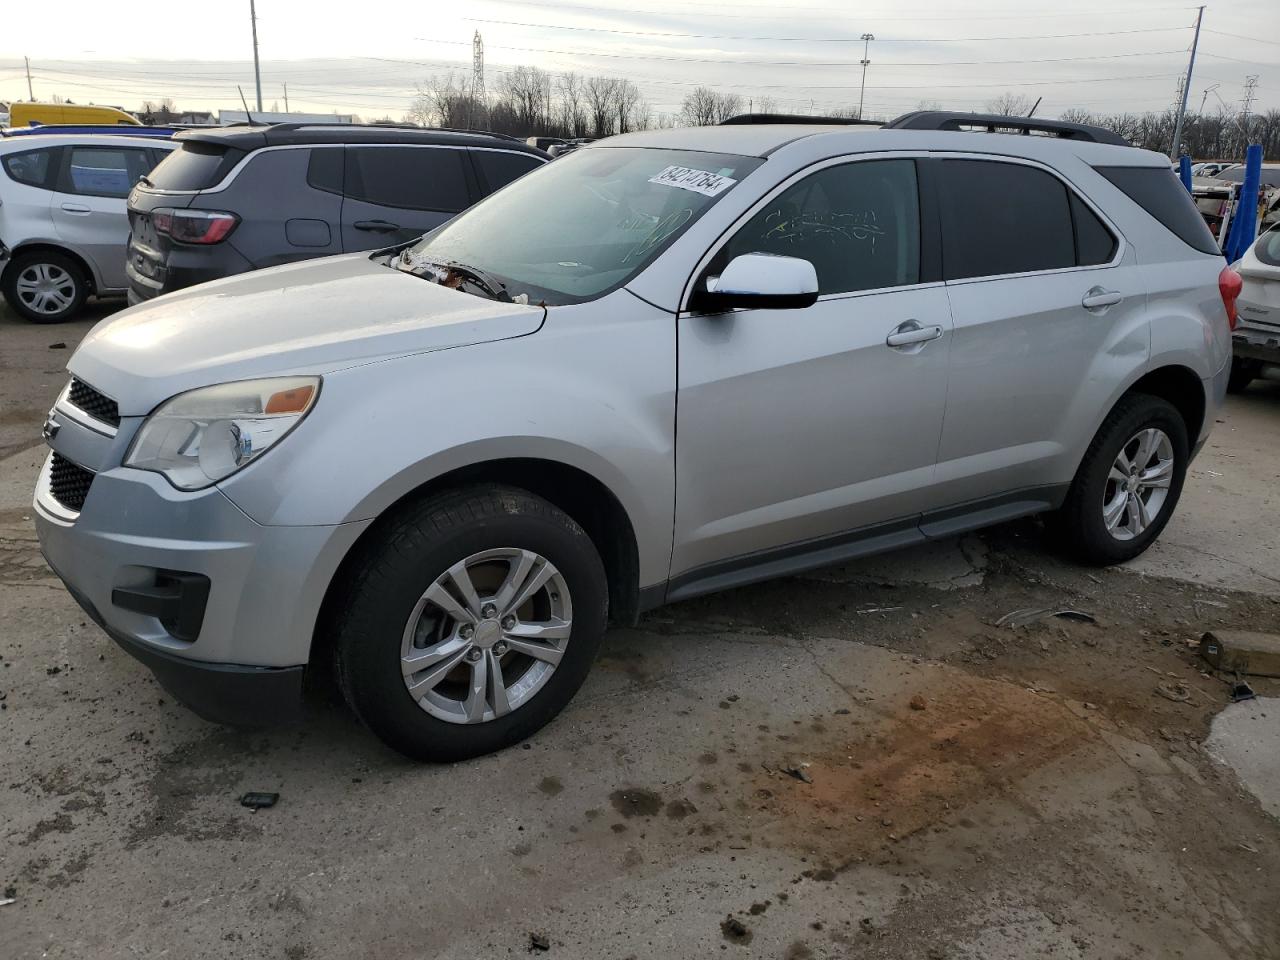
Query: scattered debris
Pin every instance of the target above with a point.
(878, 610)
(1177, 692)
(539, 943)
(867, 925)
(735, 931)
(60, 345)
(1241, 691)
(1022, 618)
(256, 801)
(52, 671)
(799, 772)
(1242, 845)
(918, 703)
(8, 900)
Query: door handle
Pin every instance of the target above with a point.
(1097, 298)
(75, 208)
(909, 333)
(376, 226)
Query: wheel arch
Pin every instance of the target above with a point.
(1180, 386)
(582, 496)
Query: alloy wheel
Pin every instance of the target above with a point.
(486, 636)
(1138, 484)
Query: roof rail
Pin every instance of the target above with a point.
(750, 118)
(994, 123)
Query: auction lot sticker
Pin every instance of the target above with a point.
(699, 181)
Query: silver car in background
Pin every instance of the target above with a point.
(667, 364)
(63, 222)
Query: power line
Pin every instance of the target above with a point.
(836, 11)
(1240, 36)
(720, 36)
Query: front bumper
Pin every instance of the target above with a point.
(242, 661)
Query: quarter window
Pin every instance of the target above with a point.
(857, 223)
(1094, 243)
(105, 171)
(30, 166)
(1000, 218)
(412, 178)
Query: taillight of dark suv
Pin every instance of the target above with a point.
(194, 226)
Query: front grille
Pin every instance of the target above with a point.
(95, 404)
(69, 482)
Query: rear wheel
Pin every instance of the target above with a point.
(1128, 483)
(470, 621)
(1243, 373)
(45, 286)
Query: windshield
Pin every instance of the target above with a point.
(586, 223)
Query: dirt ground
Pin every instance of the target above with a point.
(855, 763)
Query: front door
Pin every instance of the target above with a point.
(396, 193)
(816, 424)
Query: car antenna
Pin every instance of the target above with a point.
(247, 114)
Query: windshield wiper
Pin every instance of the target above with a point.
(489, 284)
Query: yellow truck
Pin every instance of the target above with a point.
(24, 114)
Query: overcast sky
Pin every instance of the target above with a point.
(1122, 55)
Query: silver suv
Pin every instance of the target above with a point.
(670, 363)
(63, 223)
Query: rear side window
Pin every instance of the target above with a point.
(194, 166)
(324, 169)
(412, 178)
(1000, 218)
(31, 167)
(104, 171)
(1160, 193)
(499, 168)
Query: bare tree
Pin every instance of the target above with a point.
(600, 95)
(1010, 105)
(445, 102)
(571, 116)
(765, 104)
(526, 91)
(704, 107)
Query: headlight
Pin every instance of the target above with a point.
(198, 438)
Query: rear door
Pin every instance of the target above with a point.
(1049, 307)
(89, 210)
(396, 192)
(26, 190)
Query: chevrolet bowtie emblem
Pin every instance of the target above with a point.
(51, 428)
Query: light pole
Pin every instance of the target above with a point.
(866, 44)
(257, 73)
(1186, 89)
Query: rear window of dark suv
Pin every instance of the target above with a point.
(194, 166)
(1160, 193)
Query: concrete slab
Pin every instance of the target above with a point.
(1246, 737)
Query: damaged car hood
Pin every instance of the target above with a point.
(310, 317)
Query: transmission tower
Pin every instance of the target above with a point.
(1250, 94)
(479, 101)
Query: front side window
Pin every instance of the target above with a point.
(499, 168)
(411, 178)
(857, 223)
(577, 228)
(1000, 218)
(30, 166)
(105, 171)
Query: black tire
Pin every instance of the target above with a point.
(1243, 373)
(1079, 524)
(27, 261)
(401, 559)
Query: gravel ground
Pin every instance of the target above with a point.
(858, 762)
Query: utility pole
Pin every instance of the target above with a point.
(1186, 89)
(257, 72)
(866, 44)
(479, 98)
(30, 95)
(286, 98)
(1207, 91)
(1250, 94)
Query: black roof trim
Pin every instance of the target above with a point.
(946, 120)
(257, 136)
(744, 119)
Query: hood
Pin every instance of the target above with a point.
(311, 317)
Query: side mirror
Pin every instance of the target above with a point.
(760, 281)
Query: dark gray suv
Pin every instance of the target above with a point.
(235, 199)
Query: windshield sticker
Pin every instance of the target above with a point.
(699, 181)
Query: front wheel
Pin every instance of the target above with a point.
(470, 620)
(1128, 483)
